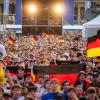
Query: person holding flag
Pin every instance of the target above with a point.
(2, 49)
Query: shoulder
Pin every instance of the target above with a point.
(45, 96)
(21, 98)
(64, 96)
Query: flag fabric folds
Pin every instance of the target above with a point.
(61, 77)
(60, 40)
(93, 45)
(11, 40)
(34, 40)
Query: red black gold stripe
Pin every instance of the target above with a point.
(93, 45)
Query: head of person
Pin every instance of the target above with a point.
(91, 93)
(83, 98)
(89, 77)
(71, 92)
(26, 62)
(46, 77)
(7, 96)
(88, 69)
(79, 90)
(16, 90)
(82, 76)
(22, 64)
(65, 85)
(59, 97)
(30, 63)
(95, 76)
(54, 84)
(28, 78)
(47, 84)
(32, 91)
(21, 71)
(97, 65)
(98, 92)
(29, 98)
(24, 91)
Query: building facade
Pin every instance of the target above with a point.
(29, 23)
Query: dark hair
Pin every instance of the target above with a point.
(91, 90)
(30, 88)
(79, 54)
(54, 81)
(16, 86)
(26, 75)
(59, 97)
(71, 89)
(29, 98)
(83, 98)
(5, 95)
(81, 72)
(46, 82)
(90, 74)
(66, 81)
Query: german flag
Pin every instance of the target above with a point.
(34, 39)
(93, 45)
(11, 40)
(61, 40)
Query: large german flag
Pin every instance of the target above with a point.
(93, 45)
(60, 72)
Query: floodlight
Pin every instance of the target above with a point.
(32, 8)
(59, 8)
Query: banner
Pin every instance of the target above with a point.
(62, 77)
(68, 12)
(6, 7)
(18, 11)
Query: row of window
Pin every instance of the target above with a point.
(38, 30)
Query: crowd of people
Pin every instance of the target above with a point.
(26, 54)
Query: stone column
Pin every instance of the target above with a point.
(0, 15)
(79, 14)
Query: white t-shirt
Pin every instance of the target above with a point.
(2, 50)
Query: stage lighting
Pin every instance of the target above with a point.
(59, 8)
(32, 8)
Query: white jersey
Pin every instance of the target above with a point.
(2, 50)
